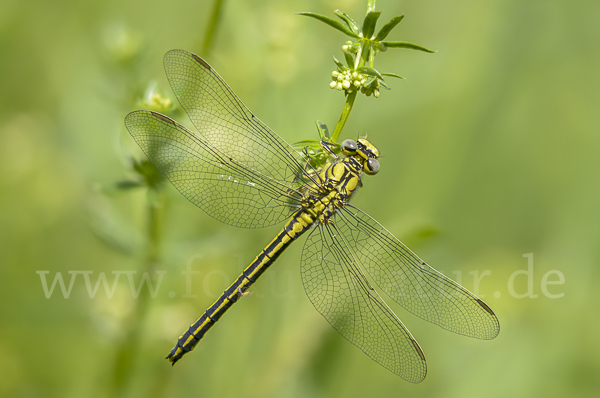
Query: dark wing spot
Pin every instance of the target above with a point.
(485, 307)
(201, 61)
(419, 350)
(163, 118)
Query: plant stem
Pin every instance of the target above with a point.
(371, 57)
(345, 113)
(212, 27)
(128, 346)
(359, 55)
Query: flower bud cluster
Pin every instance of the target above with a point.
(350, 81)
(351, 47)
(347, 80)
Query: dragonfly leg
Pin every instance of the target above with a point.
(310, 175)
(327, 148)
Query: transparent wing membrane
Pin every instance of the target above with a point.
(336, 287)
(224, 121)
(220, 185)
(412, 283)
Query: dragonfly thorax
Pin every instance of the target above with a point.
(335, 186)
(338, 181)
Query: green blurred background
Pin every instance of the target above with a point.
(489, 152)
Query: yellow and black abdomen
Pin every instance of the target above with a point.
(299, 224)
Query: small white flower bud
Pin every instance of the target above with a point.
(357, 83)
(339, 86)
(346, 84)
(333, 84)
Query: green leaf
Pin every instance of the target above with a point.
(369, 24)
(393, 75)
(339, 64)
(370, 81)
(370, 71)
(349, 21)
(387, 28)
(127, 184)
(323, 131)
(371, 5)
(349, 59)
(331, 22)
(405, 44)
(118, 187)
(310, 144)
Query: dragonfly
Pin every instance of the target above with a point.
(239, 171)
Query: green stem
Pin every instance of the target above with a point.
(127, 349)
(371, 56)
(359, 54)
(212, 27)
(345, 113)
(154, 230)
(361, 59)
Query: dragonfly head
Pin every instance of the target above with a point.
(363, 151)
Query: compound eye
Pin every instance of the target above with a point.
(349, 147)
(372, 166)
